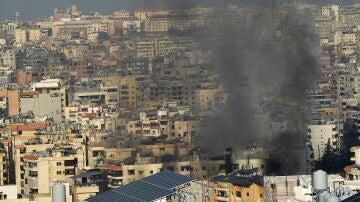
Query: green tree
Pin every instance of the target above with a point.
(329, 160)
(335, 160)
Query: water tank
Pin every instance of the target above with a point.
(58, 193)
(332, 199)
(319, 180)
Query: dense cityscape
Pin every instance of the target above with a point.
(245, 102)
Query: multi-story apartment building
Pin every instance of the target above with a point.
(121, 14)
(7, 58)
(321, 133)
(42, 105)
(146, 13)
(128, 95)
(209, 99)
(344, 37)
(21, 36)
(242, 185)
(124, 174)
(81, 68)
(54, 88)
(331, 11)
(4, 167)
(165, 24)
(53, 165)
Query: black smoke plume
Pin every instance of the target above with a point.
(266, 58)
(265, 53)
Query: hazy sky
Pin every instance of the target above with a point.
(31, 9)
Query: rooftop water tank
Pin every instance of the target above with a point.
(319, 180)
(58, 193)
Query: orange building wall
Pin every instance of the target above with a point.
(13, 101)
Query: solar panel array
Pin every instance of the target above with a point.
(168, 179)
(353, 198)
(148, 189)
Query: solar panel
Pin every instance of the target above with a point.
(353, 198)
(168, 179)
(148, 189)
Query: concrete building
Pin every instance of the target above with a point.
(8, 192)
(165, 24)
(13, 104)
(7, 58)
(241, 185)
(209, 99)
(331, 11)
(21, 36)
(23, 76)
(131, 25)
(121, 14)
(344, 37)
(294, 187)
(55, 165)
(125, 174)
(34, 35)
(353, 171)
(54, 87)
(42, 105)
(4, 166)
(146, 13)
(87, 184)
(322, 132)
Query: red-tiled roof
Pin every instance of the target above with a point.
(113, 167)
(90, 114)
(28, 127)
(30, 157)
(29, 93)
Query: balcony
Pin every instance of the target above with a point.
(32, 184)
(33, 191)
(220, 198)
(116, 174)
(33, 174)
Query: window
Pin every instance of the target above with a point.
(131, 172)
(69, 172)
(247, 194)
(238, 194)
(58, 172)
(58, 163)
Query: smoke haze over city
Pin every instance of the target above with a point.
(185, 100)
(43, 8)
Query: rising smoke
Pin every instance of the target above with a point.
(266, 57)
(265, 54)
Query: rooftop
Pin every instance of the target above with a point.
(151, 188)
